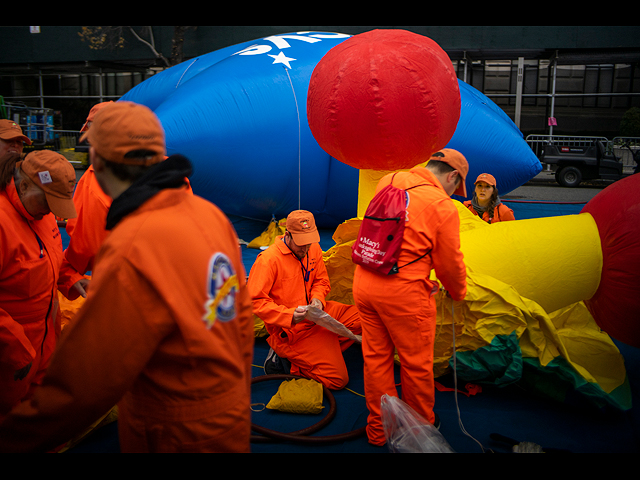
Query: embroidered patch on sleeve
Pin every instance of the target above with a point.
(222, 289)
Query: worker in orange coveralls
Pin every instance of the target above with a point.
(284, 280)
(12, 139)
(398, 310)
(30, 257)
(485, 202)
(167, 331)
(87, 231)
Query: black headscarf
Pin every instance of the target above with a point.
(170, 173)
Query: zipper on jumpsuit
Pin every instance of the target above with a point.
(305, 278)
(306, 273)
(43, 249)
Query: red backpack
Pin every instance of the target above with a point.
(377, 247)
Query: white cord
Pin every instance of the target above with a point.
(455, 378)
(185, 71)
(298, 113)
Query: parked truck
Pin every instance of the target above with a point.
(573, 164)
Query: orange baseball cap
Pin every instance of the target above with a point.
(123, 127)
(455, 160)
(486, 178)
(10, 130)
(92, 113)
(302, 227)
(56, 177)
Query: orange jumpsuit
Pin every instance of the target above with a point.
(86, 232)
(167, 333)
(501, 213)
(398, 311)
(277, 286)
(30, 257)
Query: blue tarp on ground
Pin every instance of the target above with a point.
(508, 411)
(523, 209)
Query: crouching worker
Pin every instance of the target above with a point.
(286, 278)
(167, 332)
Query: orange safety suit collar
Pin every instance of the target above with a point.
(14, 198)
(500, 213)
(304, 262)
(428, 176)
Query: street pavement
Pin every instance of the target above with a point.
(544, 188)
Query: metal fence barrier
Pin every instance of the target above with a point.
(622, 147)
(626, 148)
(65, 142)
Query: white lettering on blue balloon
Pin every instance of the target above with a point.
(280, 42)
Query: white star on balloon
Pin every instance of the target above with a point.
(281, 58)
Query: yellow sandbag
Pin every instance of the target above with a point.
(298, 395)
(259, 328)
(269, 235)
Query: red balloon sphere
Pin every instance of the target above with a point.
(616, 304)
(383, 100)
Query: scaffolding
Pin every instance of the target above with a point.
(37, 124)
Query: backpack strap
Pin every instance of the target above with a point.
(396, 268)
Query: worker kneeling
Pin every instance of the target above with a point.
(285, 280)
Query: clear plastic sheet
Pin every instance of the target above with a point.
(406, 431)
(320, 317)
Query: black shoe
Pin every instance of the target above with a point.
(436, 423)
(275, 365)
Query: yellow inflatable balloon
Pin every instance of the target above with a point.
(524, 309)
(555, 261)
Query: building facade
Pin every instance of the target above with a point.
(562, 80)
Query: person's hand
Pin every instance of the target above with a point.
(21, 373)
(82, 286)
(316, 302)
(299, 314)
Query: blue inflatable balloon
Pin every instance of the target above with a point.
(239, 114)
(491, 143)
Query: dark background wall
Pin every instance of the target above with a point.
(597, 75)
